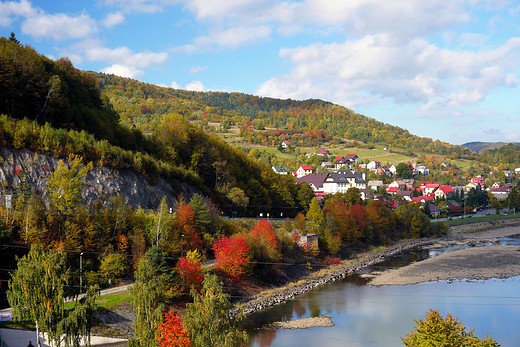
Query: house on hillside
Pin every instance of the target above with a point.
(303, 170)
(422, 199)
(286, 144)
(406, 194)
(479, 181)
(375, 185)
(384, 171)
(352, 157)
(373, 165)
(442, 192)
(430, 188)
(323, 151)
(315, 180)
(398, 183)
(341, 181)
(338, 164)
(328, 165)
(280, 169)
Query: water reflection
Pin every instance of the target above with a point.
(365, 315)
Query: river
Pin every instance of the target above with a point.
(366, 315)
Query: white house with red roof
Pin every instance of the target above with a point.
(442, 192)
(303, 170)
(286, 144)
(430, 188)
(422, 199)
(479, 181)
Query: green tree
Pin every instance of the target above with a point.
(148, 299)
(112, 266)
(352, 197)
(65, 185)
(438, 331)
(412, 219)
(208, 319)
(37, 291)
(402, 170)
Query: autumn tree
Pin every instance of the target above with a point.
(65, 185)
(412, 220)
(208, 319)
(37, 291)
(190, 271)
(438, 331)
(172, 333)
(300, 222)
(112, 266)
(232, 256)
(315, 213)
(264, 243)
(184, 224)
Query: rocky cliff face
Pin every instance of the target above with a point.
(101, 183)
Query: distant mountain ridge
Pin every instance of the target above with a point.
(480, 146)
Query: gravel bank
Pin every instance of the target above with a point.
(305, 323)
(458, 235)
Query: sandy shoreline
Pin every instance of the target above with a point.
(476, 263)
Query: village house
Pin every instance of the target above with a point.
(339, 163)
(303, 170)
(421, 169)
(323, 151)
(280, 169)
(375, 185)
(479, 181)
(500, 193)
(286, 144)
(406, 194)
(422, 199)
(434, 211)
(429, 188)
(316, 181)
(352, 157)
(384, 171)
(327, 165)
(398, 183)
(410, 183)
(442, 192)
(373, 165)
(341, 181)
(393, 169)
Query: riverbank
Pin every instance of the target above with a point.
(479, 232)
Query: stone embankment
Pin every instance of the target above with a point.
(365, 260)
(335, 273)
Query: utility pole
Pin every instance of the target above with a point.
(80, 272)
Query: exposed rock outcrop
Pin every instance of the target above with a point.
(101, 183)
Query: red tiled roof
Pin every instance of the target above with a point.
(306, 167)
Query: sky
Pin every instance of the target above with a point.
(443, 69)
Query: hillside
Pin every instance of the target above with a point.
(480, 146)
(266, 121)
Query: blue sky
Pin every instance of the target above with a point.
(444, 69)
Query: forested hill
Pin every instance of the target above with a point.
(305, 122)
(54, 108)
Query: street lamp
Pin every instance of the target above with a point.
(80, 272)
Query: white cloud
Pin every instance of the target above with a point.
(123, 71)
(11, 10)
(381, 66)
(60, 26)
(140, 6)
(113, 19)
(93, 50)
(230, 38)
(196, 86)
(174, 85)
(197, 69)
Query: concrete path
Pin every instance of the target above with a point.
(21, 338)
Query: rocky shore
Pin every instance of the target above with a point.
(480, 232)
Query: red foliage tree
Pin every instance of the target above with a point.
(185, 225)
(264, 242)
(172, 333)
(191, 272)
(232, 256)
